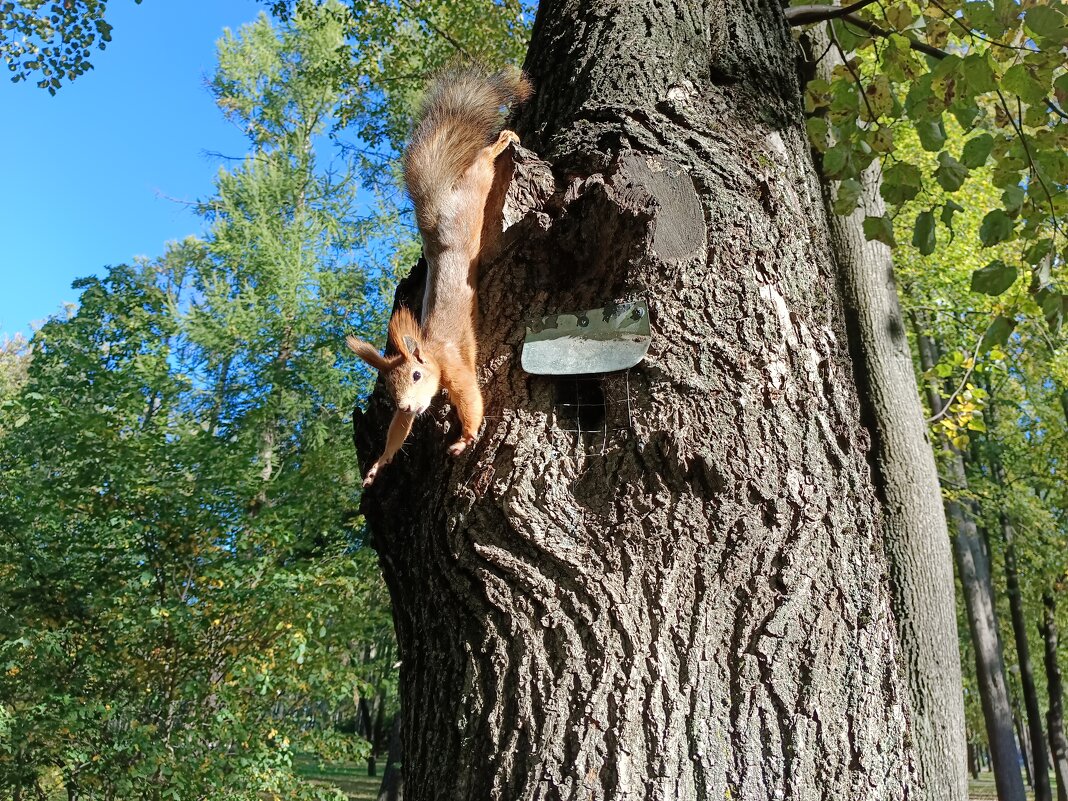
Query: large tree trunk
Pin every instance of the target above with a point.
(685, 599)
(973, 566)
(906, 480)
(1058, 742)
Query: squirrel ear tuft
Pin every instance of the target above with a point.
(404, 331)
(369, 353)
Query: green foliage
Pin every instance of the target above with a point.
(997, 71)
(394, 46)
(1003, 372)
(186, 597)
(52, 39)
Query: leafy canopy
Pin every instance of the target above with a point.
(994, 68)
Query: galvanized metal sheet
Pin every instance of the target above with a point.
(601, 340)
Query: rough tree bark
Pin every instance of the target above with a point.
(691, 603)
(906, 480)
(1058, 742)
(973, 566)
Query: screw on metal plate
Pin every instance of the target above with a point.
(603, 340)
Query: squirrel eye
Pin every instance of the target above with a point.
(416, 375)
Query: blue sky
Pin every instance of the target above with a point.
(87, 173)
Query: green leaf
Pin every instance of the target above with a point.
(899, 16)
(818, 133)
(995, 278)
(997, 334)
(836, 160)
(1013, 199)
(880, 229)
(880, 97)
(932, 133)
(978, 71)
(1053, 305)
(948, 210)
(977, 150)
(1027, 81)
(849, 192)
(881, 139)
(1037, 252)
(1046, 21)
(923, 233)
(901, 183)
(996, 227)
(951, 174)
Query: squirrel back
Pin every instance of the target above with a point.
(459, 116)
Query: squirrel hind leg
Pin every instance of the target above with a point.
(466, 398)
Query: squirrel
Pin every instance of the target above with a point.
(448, 171)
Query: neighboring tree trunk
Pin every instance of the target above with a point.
(392, 788)
(1058, 742)
(906, 479)
(680, 593)
(974, 569)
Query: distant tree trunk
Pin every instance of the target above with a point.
(366, 725)
(680, 593)
(973, 567)
(906, 479)
(1038, 764)
(1058, 742)
(1025, 747)
(973, 760)
(1036, 736)
(392, 788)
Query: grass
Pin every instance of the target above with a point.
(351, 778)
(983, 788)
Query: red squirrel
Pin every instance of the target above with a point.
(448, 170)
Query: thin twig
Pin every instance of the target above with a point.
(1030, 161)
(980, 36)
(443, 34)
(960, 387)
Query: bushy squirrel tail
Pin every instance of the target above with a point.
(460, 114)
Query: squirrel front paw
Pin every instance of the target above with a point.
(460, 445)
(372, 474)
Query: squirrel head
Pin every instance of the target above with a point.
(412, 373)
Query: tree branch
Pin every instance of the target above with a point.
(805, 15)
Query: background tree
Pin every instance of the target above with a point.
(187, 602)
(52, 42)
